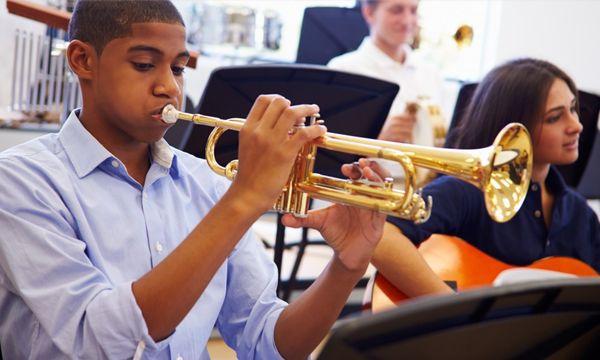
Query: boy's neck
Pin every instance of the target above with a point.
(135, 158)
(133, 154)
(395, 52)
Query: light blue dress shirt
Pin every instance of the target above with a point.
(77, 230)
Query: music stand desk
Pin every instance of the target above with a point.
(553, 318)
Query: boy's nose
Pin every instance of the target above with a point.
(167, 85)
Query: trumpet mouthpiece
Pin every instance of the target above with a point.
(169, 114)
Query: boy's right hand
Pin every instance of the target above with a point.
(365, 168)
(267, 150)
(399, 128)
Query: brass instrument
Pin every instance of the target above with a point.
(502, 171)
(428, 114)
(434, 117)
(463, 36)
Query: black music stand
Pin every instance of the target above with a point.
(328, 32)
(350, 104)
(588, 185)
(537, 320)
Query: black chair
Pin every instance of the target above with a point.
(588, 185)
(589, 109)
(573, 173)
(557, 319)
(350, 104)
(462, 101)
(328, 32)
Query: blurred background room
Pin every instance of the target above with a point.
(463, 39)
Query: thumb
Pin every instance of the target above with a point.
(314, 219)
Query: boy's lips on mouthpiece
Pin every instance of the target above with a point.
(169, 114)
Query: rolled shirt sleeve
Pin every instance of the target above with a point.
(84, 314)
(46, 268)
(249, 314)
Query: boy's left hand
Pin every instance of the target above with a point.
(352, 232)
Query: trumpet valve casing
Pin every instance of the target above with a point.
(293, 200)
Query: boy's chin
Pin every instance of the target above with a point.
(150, 138)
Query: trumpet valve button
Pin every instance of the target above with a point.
(315, 120)
(388, 183)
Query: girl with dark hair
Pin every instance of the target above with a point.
(514, 92)
(553, 221)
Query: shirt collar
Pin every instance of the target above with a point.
(555, 182)
(86, 153)
(163, 155)
(381, 58)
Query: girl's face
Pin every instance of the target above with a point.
(556, 136)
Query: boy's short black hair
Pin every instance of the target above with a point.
(371, 3)
(97, 22)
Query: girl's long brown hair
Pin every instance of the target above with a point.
(513, 92)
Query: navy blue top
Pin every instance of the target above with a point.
(459, 210)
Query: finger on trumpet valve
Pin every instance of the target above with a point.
(315, 119)
(295, 128)
(357, 169)
(311, 120)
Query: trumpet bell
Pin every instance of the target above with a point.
(510, 163)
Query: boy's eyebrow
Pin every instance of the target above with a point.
(156, 50)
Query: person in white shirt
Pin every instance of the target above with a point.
(387, 55)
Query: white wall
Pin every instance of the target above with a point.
(10, 137)
(8, 25)
(565, 32)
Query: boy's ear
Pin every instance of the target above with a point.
(367, 13)
(81, 57)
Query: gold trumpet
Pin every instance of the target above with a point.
(501, 171)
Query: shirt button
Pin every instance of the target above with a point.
(537, 213)
(144, 195)
(115, 164)
(159, 247)
(534, 187)
(179, 357)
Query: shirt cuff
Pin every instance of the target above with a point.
(270, 351)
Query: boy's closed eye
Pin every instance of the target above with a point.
(142, 66)
(178, 70)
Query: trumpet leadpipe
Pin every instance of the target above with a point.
(170, 115)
